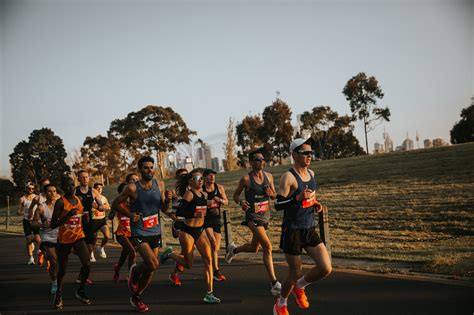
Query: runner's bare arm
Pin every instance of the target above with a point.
(58, 208)
(33, 204)
(129, 192)
(223, 200)
(270, 191)
(37, 216)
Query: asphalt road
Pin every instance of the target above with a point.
(25, 290)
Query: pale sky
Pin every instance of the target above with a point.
(74, 66)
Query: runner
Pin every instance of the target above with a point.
(23, 209)
(39, 199)
(123, 233)
(259, 189)
(49, 236)
(68, 216)
(146, 197)
(297, 197)
(99, 220)
(212, 222)
(193, 207)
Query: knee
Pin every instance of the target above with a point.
(132, 254)
(326, 269)
(254, 248)
(267, 247)
(152, 264)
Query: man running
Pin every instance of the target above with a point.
(259, 189)
(146, 197)
(296, 196)
(216, 198)
(99, 221)
(23, 209)
(49, 236)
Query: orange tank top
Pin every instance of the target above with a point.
(123, 228)
(71, 231)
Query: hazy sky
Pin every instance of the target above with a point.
(74, 66)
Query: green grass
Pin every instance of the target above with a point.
(415, 206)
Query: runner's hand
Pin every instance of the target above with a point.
(135, 217)
(244, 204)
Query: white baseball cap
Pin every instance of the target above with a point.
(299, 142)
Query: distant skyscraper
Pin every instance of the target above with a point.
(378, 148)
(204, 156)
(427, 143)
(408, 144)
(215, 164)
(388, 143)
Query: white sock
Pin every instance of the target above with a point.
(301, 283)
(282, 301)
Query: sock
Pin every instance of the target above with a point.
(301, 283)
(274, 282)
(282, 301)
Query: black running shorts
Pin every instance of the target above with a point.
(293, 241)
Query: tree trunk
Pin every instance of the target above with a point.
(366, 142)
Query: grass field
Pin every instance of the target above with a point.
(415, 206)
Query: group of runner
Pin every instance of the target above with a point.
(72, 221)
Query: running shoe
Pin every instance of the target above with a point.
(102, 253)
(40, 258)
(218, 276)
(230, 252)
(276, 289)
(116, 277)
(80, 294)
(175, 279)
(93, 257)
(179, 267)
(210, 298)
(88, 281)
(54, 287)
(280, 310)
(58, 301)
(132, 283)
(165, 255)
(300, 298)
(31, 261)
(137, 303)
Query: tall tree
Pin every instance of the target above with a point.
(333, 133)
(463, 130)
(362, 92)
(42, 156)
(230, 162)
(277, 131)
(249, 133)
(153, 129)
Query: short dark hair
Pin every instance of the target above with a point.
(179, 172)
(47, 186)
(129, 175)
(81, 171)
(97, 185)
(43, 180)
(253, 153)
(144, 159)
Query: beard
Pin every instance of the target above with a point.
(147, 177)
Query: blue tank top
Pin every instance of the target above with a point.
(259, 202)
(301, 214)
(147, 204)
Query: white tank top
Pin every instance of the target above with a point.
(48, 235)
(25, 205)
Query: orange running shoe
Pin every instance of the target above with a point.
(277, 310)
(40, 258)
(300, 297)
(175, 279)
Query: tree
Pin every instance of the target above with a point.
(43, 156)
(153, 129)
(277, 131)
(249, 133)
(230, 162)
(362, 93)
(6, 189)
(332, 133)
(463, 130)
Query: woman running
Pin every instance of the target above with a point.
(193, 208)
(68, 215)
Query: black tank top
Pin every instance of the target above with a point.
(198, 203)
(210, 196)
(301, 214)
(256, 196)
(87, 199)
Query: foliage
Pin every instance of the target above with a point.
(463, 130)
(230, 162)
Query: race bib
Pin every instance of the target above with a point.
(125, 222)
(261, 207)
(74, 221)
(96, 214)
(311, 201)
(150, 221)
(200, 209)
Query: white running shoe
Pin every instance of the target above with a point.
(276, 289)
(93, 257)
(230, 252)
(31, 261)
(102, 253)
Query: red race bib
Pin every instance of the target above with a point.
(150, 221)
(261, 207)
(125, 222)
(74, 221)
(311, 201)
(200, 209)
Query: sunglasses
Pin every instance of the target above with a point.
(197, 178)
(259, 159)
(307, 153)
(30, 188)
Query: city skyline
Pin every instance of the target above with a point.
(213, 60)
